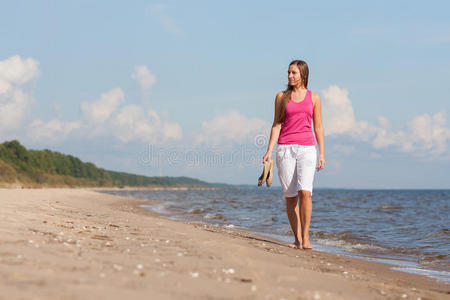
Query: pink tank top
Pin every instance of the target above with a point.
(296, 127)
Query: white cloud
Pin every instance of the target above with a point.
(423, 135)
(172, 130)
(131, 123)
(427, 133)
(14, 106)
(100, 110)
(51, 131)
(102, 117)
(4, 86)
(158, 11)
(384, 135)
(106, 116)
(231, 126)
(16, 70)
(338, 114)
(145, 78)
(14, 102)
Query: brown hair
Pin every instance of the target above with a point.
(304, 73)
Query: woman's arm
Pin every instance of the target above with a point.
(276, 128)
(318, 130)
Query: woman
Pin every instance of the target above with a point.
(296, 156)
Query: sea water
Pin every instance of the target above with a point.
(407, 228)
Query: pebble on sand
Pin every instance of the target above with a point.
(194, 274)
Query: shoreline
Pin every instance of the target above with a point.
(401, 264)
(156, 188)
(371, 252)
(83, 244)
(18, 186)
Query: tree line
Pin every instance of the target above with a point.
(45, 167)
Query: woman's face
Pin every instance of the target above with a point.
(294, 77)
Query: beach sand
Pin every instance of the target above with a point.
(81, 244)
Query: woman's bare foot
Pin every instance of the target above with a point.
(306, 245)
(295, 245)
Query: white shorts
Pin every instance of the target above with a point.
(296, 166)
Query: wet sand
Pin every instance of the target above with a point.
(81, 244)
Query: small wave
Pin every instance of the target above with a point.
(198, 211)
(340, 236)
(271, 220)
(157, 208)
(346, 240)
(215, 217)
(439, 257)
(366, 247)
(441, 232)
(208, 216)
(390, 207)
(348, 245)
(352, 243)
(441, 275)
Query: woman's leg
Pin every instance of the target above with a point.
(287, 172)
(306, 167)
(305, 216)
(294, 219)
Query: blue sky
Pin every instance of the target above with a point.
(195, 83)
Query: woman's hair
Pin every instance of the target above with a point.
(304, 73)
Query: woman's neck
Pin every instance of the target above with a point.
(299, 88)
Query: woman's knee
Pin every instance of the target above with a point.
(304, 194)
(291, 201)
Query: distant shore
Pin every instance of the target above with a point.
(124, 188)
(80, 244)
(155, 188)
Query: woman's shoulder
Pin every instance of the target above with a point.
(279, 96)
(314, 96)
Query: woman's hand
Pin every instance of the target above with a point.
(321, 162)
(266, 156)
